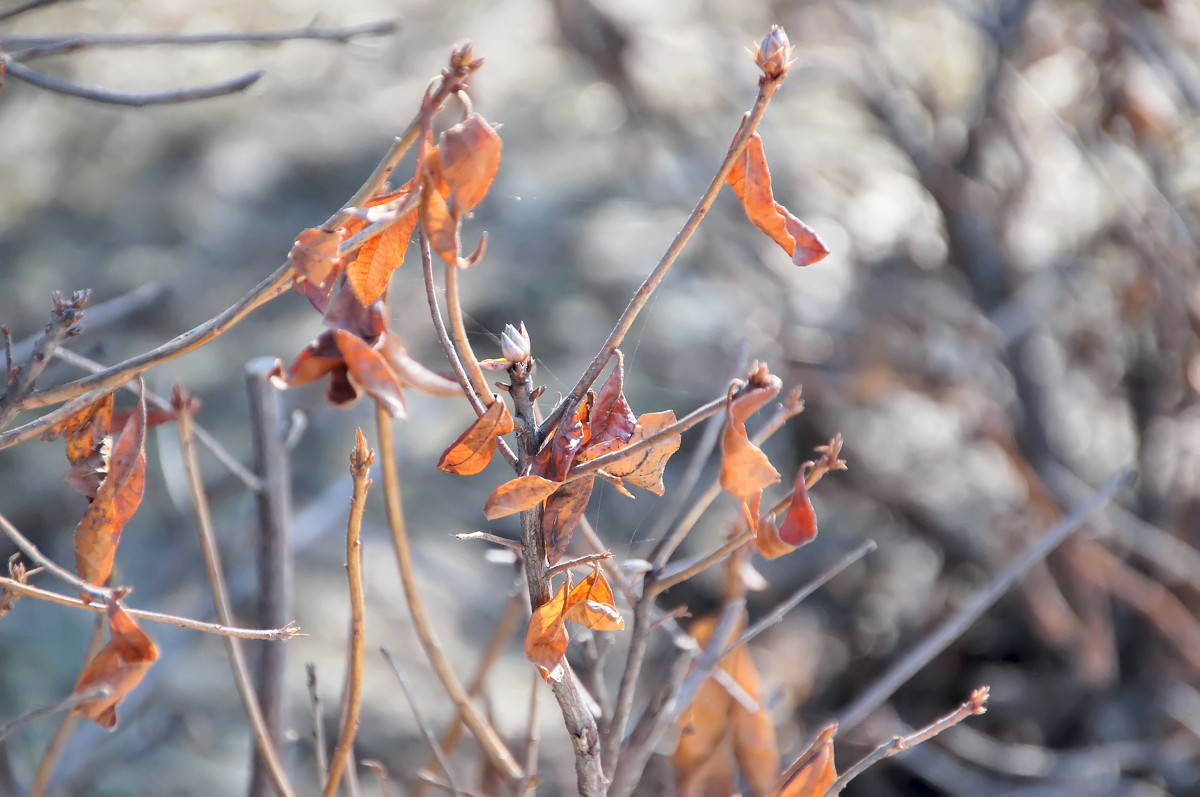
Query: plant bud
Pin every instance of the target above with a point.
(774, 54)
(514, 343)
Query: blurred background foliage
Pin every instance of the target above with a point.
(1010, 190)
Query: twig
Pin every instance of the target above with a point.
(533, 734)
(202, 435)
(684, 569)
(37, 426)
(426, 731)
(70, 701)
(767, 88)
(67, 726)
(274, 554)
(318, 719)
(49, 45)
(587, 560)
(64, 320)
(10, 373)
(216, 580)
(496, 539)
(282, 634)
(594, 466)
(462, 344)
(448, 345)
(495, 749)
(954, 626)
(21, 8)
(360, 466)
(101, 315)
(70, 88)
(975, 704)
(792, 602)
(36, 556)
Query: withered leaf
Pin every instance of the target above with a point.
(564, 508)
(370, 372)
(799, 525)
(119, 667)
(473, 449)
(412, 373)
(750, 179)
(470, 158)
(591, 603)
(611, 418)
(117, 498)
(754, 743)
(815, 778)
(517, 495)
(371, 270)
(440, 227)
(645, 470)
(314, 255)
(546, 636)
(745, 469)
(558, 452)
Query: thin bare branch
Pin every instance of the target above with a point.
(39, 559)
(64, 322)
(216, 580)
(587, 560)
(496, 539)
(21, 8)
(318, 720)
(101, 315)
(70, 701)
(141, 99)
(426, 731)
(960, 621)
(289, 631)
(360, 466)
(64, 42)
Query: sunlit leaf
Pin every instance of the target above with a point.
(702, 729)
(591, 603)
(370, 270)
(645, 470)
(314, 255)
(88, 439)
(470, 157)
(411, 373)
(546, 636)
(118, 497)
(815, 778)
(473, 449)
(750, 179)
(370, 372)
(754, 742)
(745, 469)
(517, 495)
(558, 452)
(440, 227)
(799, 525)
(611, 418)
(119, 666)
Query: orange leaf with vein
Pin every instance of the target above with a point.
(745, 469)
(473, 449)
(371, 270)
(440, 227)
(645, 470)
(119, 666)
(750, 179)
(546, 636)
(815, 778)
(118, 497)
(517, 495)
(591, 603)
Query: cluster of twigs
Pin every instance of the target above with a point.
(611, 745)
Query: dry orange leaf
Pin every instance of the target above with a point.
(570, 435)
(702, 729)
(815, 778)
(412, 373)
(546, 636)
(745, 469)
(591, 603)
(440, 227)
(564, 508)
(517, 495)
(473, 449)
(646, 470)
(119, 666)
(88, 439)
(370, 372)
(371, 270)
(611, 418)
(470, 158)
(314, 255)
(754, 744)
(116, 500)
(750, 179)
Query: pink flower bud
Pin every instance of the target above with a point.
(774, 54)
(514, 343)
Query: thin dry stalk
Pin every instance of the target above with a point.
(271, 635)
(65, 728)
(62, 704)
(360, 466)
(426, 731)
(960, 621)
(41, 560)
(216, 580)
(64, 322)
(492, 745)
(318, 720)
(975, 704)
